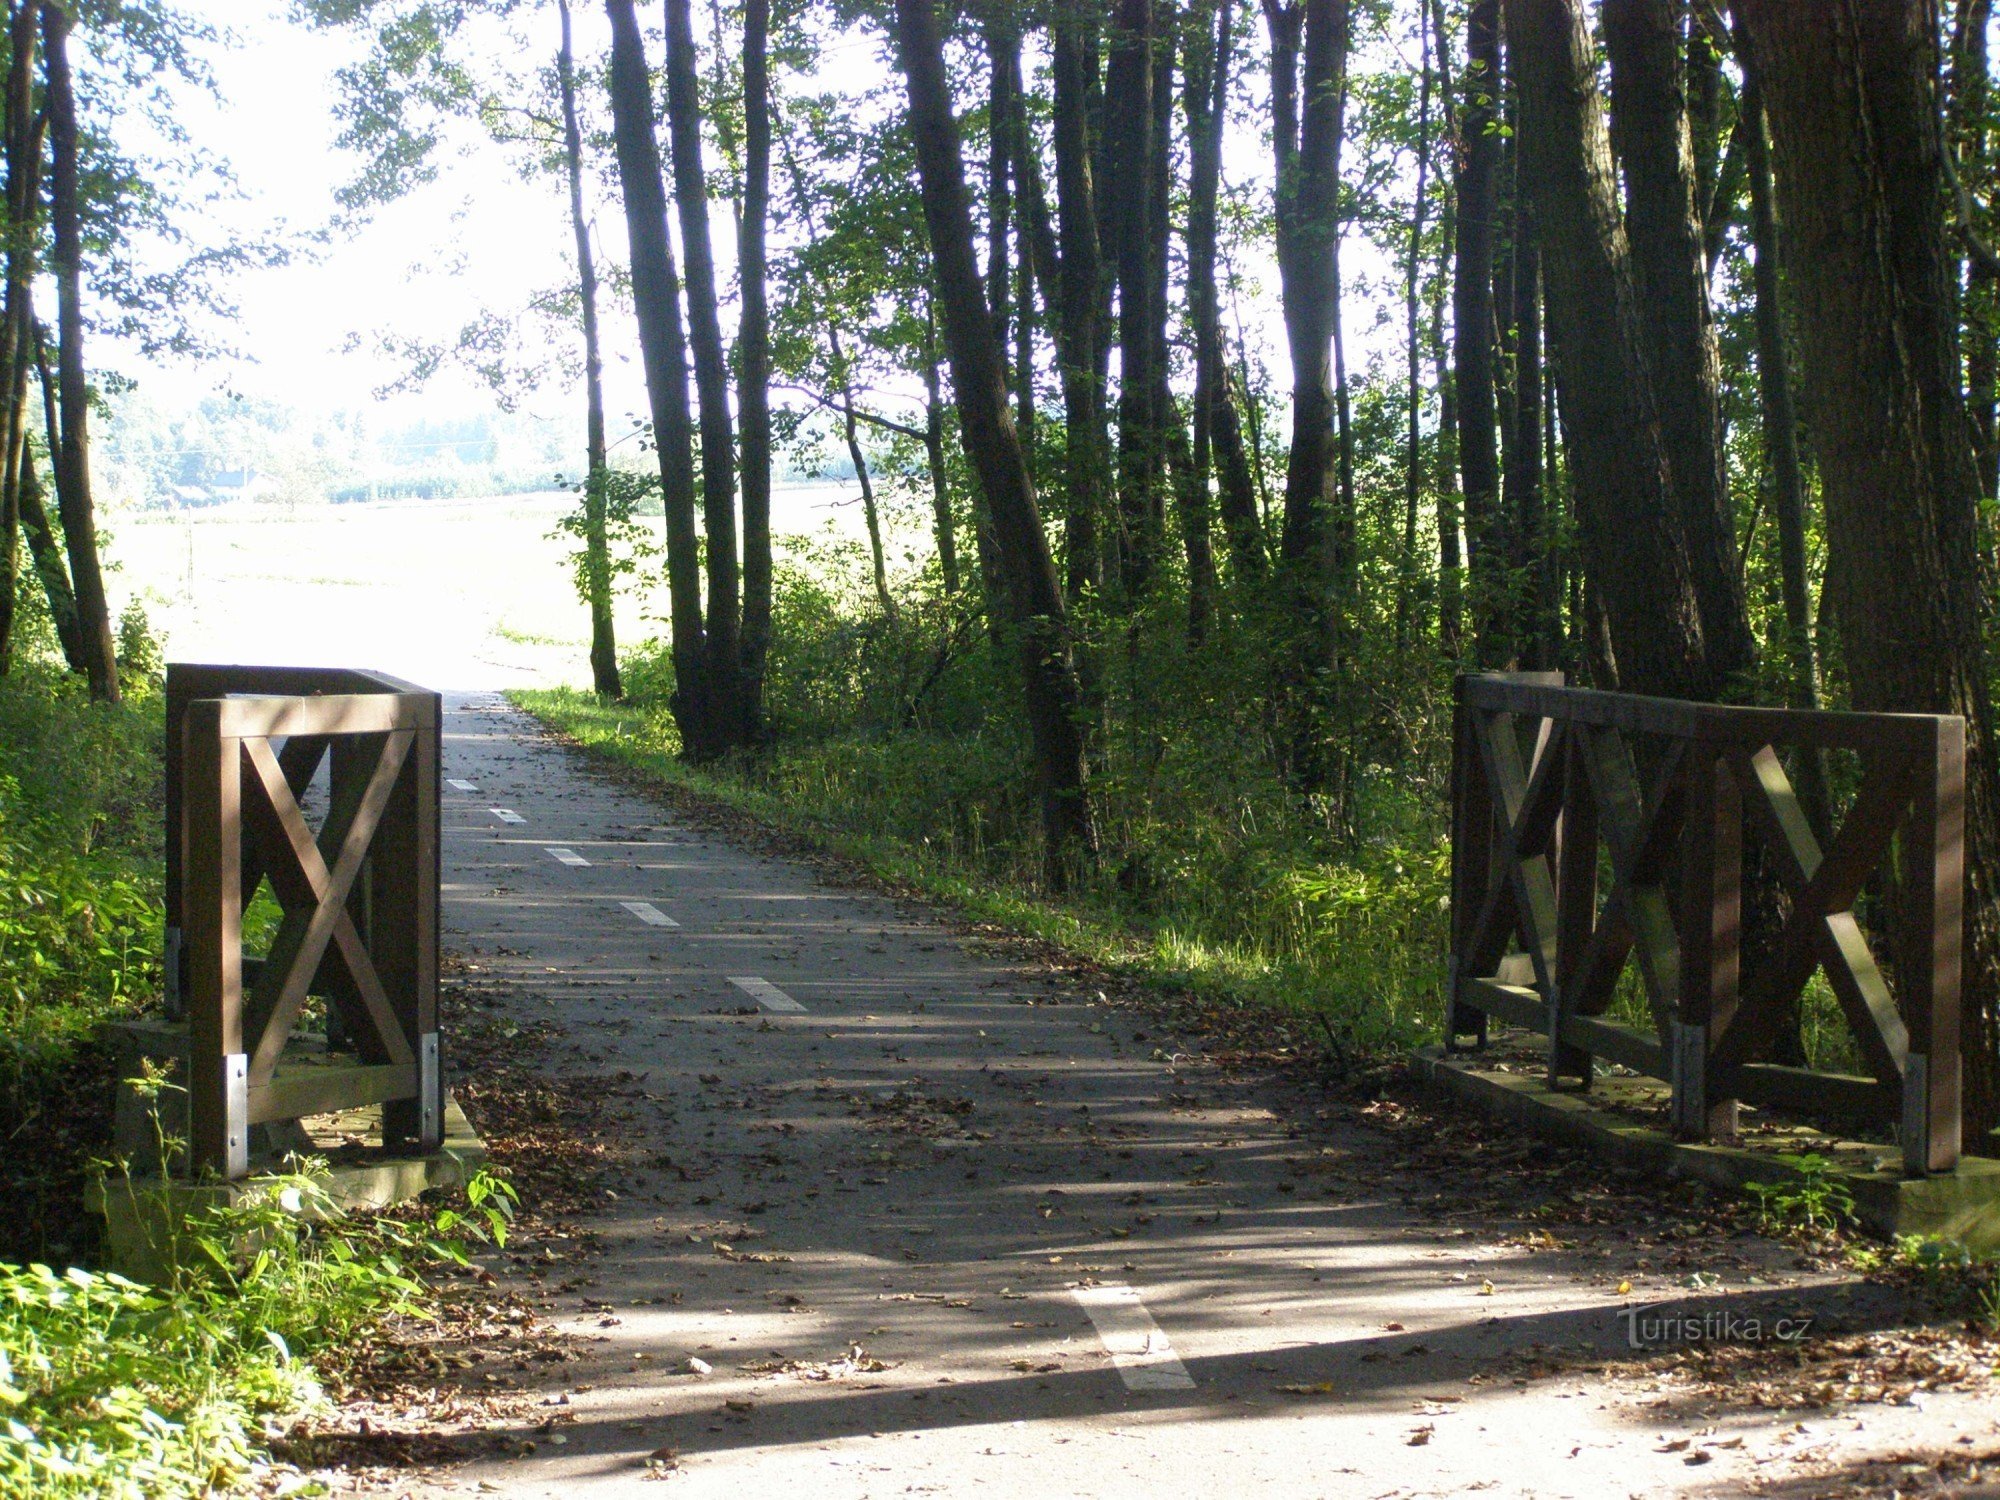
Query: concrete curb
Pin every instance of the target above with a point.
(1963, 1205)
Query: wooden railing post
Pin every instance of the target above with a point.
(1471, 862)
(212, 916)
(404, 897)
(1935, 887)
(1576, 907)
(1711, 923)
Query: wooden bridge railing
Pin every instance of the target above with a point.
(1555, 787)
(359, 896)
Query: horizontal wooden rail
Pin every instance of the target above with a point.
(1555, 787)
(358, 895)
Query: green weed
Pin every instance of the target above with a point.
(1817, 1203)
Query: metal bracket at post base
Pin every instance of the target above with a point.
(220, 1119)
(419, 1122)
(1915, 1135)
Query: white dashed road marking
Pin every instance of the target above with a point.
(1136, 1344)
(564, 856)
(458, 784)
(506, 815)
(766, 993)
(648, 913)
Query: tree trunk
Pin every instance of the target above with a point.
(1413, 455)
(1217, 440)
(753, 361)
(1054, 704)
(1308, 89)
(1849, 92)
(870, 513)
(23, 171)
(1190, 489)
(596, 549)
(1521, 483)
(1085, 457)
(1969, 135)
(711, 382)
(1128, 132)
(947, 542)
(1783, 474)
(1451, 561)
(1472, 328)
(663, 350)
(1618, 462)
(1670, 267)
(46, 555)
(72, 466)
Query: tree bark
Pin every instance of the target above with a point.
(1217, 440)
(1472, 328)
(1784, 476)
(1128, 134)
(1650, 132)
(1618, 462)
(1451, 560)
(597, 553)
(1086, 464)
(23, 172)
(1054, 703)
(72, 466)
(1849, 91)
(753, 361)
(941, 511)
(1413, 455)
(870, 513)
(663, 350)
(711, 381)
(1969, 135)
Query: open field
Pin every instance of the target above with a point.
(450, 593)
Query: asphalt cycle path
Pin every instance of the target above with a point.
(898, 1215)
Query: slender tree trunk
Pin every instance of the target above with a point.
(1783, 473)
(1650, 132)
(947, 542)
(1128, 131)
(1205, 94)
(597, 553)
(1054, 702)
(1527, 525)
(711, 382)
(1451, 561)
(44, 550)
(1085, 451)
(1413, 455)
(663, 349)
(1308, 89)
(870, 512)
(1618, 461)
(1850, 94)
(1472, 324)
(753, 361)
(1968, 133)
(23, 169)
(1190, 488)
(79, 518)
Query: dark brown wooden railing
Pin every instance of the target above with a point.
(359, 896)
(1547, 781)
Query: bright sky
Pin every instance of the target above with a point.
(479, 238)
